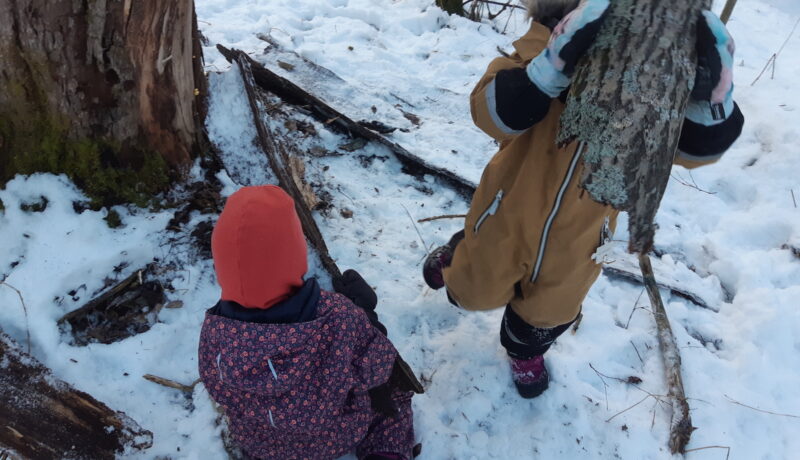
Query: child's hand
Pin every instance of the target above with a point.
(712, 97)
(353, 286)
(552, 69)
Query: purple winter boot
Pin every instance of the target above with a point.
(530, 376)
(439, 259)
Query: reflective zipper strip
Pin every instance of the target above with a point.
(219, 368)
(549, 223)
(271, 420)
(511, 335)
(274, 374)
(490, 211)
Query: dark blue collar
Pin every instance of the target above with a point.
(299, 308)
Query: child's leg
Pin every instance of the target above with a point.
(523, 341)
(391, 435)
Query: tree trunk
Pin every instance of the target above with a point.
(104, 91)
(44, 418)
(627, 104)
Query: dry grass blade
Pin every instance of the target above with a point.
(25, 311)
(733, 401)
(712, 447)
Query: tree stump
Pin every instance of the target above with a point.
(44, 418)
(108, 92)
(627, 105)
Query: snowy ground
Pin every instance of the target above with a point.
(727, 237)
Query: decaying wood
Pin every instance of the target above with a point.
(681, 423)
(279, 160)
(619, 273)
(128, 308)
(323, 112)
(45, 418)
(627, 106)
(128, 74)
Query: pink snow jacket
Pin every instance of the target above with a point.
(299, 390)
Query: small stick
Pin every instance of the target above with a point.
(712, 447)
(424, 244)
(446, 216)
(793, 198)
(727, 11)
(605, 385)
(637, 353)
(733, 401)
(635, 307)
(25, 311)
(171, 383)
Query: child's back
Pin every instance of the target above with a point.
(291, 365)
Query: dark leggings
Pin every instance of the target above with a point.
(523, 341)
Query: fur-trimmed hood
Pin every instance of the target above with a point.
(548, 10)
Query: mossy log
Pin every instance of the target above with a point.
(627, 105)
(109, 92)
(45, 418)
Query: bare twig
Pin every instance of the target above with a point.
(774, 58)
(171, 383)
(605, 385)
(424, 244)
(694, 185)
(712, 447)
(733, 401)
(446, 216)
(626, 410)
(24, 310)
(635, 307)
(794, 200)
(620, 273)
(637, 353)
(490, 2)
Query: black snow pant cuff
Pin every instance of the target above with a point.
(523, 341)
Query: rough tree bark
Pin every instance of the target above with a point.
(105, 91)
(44, 418)
(627, 103)
(627, 106)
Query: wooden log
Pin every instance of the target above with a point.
(126, 309)
(627, 105)
(323, 112)
(619, 273)
(280, 161)
(45, 418)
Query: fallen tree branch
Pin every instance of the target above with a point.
(681, 423)
(293, 94)
(619, 273)
(279, 162)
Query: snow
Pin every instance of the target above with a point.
(726, 233)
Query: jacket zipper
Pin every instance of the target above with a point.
(492, 210)
(551, 218)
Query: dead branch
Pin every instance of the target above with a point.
(712, 447)
(293, 94)
(424, 244)
(24, 310)
(446, 216)
(681, 423)
(774, 58)
(619, 273)
(278, 158)
(188, 389)
(733, 401)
